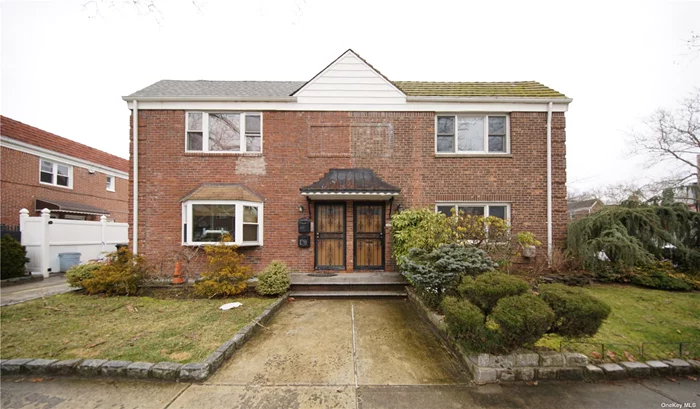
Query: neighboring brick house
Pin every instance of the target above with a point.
(42, 170)
(346, 149)
(580, 208)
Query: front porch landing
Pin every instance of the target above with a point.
(373, 284)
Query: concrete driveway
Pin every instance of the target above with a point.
(15, 294)
(343, 354)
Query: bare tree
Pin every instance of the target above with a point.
(674, 136)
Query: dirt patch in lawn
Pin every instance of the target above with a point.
(122, 328)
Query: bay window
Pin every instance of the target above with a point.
(207, 221)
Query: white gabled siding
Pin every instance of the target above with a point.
(350, 81)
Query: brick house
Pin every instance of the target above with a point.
(42, 170)
(310, 172)
(580, 208)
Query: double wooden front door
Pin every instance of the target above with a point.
(368, 236)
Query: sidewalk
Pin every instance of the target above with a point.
(15, 294)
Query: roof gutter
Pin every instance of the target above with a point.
(525, 100)
(209, 99)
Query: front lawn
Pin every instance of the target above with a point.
(122, 328)
(642, 316)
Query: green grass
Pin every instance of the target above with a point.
(125, 328)
(642, 316)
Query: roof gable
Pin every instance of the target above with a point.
(349, 80)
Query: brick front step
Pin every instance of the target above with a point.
(347, 294)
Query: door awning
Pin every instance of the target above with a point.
(68, 207)
(350, 184)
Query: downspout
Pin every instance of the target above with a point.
(549, 184)
(135, 181)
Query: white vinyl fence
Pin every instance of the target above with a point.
(46, 238)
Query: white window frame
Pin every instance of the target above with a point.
(238, 240)
(111, 187)
(486, 206)
(55, 173)
(485, 116)
(205, 132)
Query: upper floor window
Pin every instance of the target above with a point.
(470, 134)
(223, 132)
(57, 174)
(500, 210)
(110, 183)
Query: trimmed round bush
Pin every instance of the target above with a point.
(521, 320)
(487, 289)
(13, 257)
(464, 320)
(577, 314)
(274, 280)
(77, 274)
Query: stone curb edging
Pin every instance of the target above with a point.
(167, 371)
(528, 365)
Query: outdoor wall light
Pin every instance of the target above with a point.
(301, 208)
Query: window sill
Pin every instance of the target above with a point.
(58, 186)
(473, 155)
(214, 243)
(223, 154)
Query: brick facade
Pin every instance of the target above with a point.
(20, 175)
(300, 147)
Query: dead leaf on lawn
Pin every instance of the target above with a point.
(130, 307)
(630, 357)
(678, 331)
(692, 378)
(612, 355)
(596, 355)
(65, 341)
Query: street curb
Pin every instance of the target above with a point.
(545, 365)
(165, 371)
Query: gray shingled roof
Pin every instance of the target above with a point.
(246, 89)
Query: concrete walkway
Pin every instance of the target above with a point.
(343, 354)
(14, 294)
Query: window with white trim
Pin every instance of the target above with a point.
(500, 210)
(206, 221)
(56, 174)
(470, 134)
(110, 183)
(223, 132)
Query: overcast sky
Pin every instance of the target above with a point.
(66, 66)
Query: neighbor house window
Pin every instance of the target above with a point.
(56, 174)
(223, 132)
(470, 134)
(206, 222)
(110, 183)
(500, 210)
